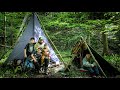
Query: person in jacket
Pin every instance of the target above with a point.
(90, 65)
(45, 59)
(30, 60)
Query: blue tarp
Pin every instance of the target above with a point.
(33, 29)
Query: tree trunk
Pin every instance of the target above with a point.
(105, 44)
(11, 36)
(4, 32)
(12, 39)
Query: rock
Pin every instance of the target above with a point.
(57, 68)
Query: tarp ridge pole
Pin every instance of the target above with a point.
(75, 49)
(21, 27)
(56, 50)
(18, 35)
(53, 44)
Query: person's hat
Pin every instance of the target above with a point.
(40, 39)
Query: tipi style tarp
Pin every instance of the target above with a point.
(33, 29)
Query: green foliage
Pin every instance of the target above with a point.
(4, 54)
(65, 29)
(12, 24)
(114, 60)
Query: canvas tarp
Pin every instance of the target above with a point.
(33, 29)
(107, 67)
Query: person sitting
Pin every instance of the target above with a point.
(79, 54)
(36, 58)
(90, 65)
(30, 60)
(29, 48)
(37, 54)
(45, 58)
(39, 44)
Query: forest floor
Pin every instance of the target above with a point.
(8, 72)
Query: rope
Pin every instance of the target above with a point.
(52, 43)
(93, 57)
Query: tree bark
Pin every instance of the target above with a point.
(11, 36)
(12, 39)
(4, 32)
(105, 44)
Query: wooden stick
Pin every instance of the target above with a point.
(77, 47)
(55, 48)
(75, 50)
(94, 58)
(11, 36)
(65, 55)
(53, 45)
(4, 31)
(21, 27)
(21, 30)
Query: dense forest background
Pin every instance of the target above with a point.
(101, 30)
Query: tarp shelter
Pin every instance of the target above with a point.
(33, 29)
(107, 68)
